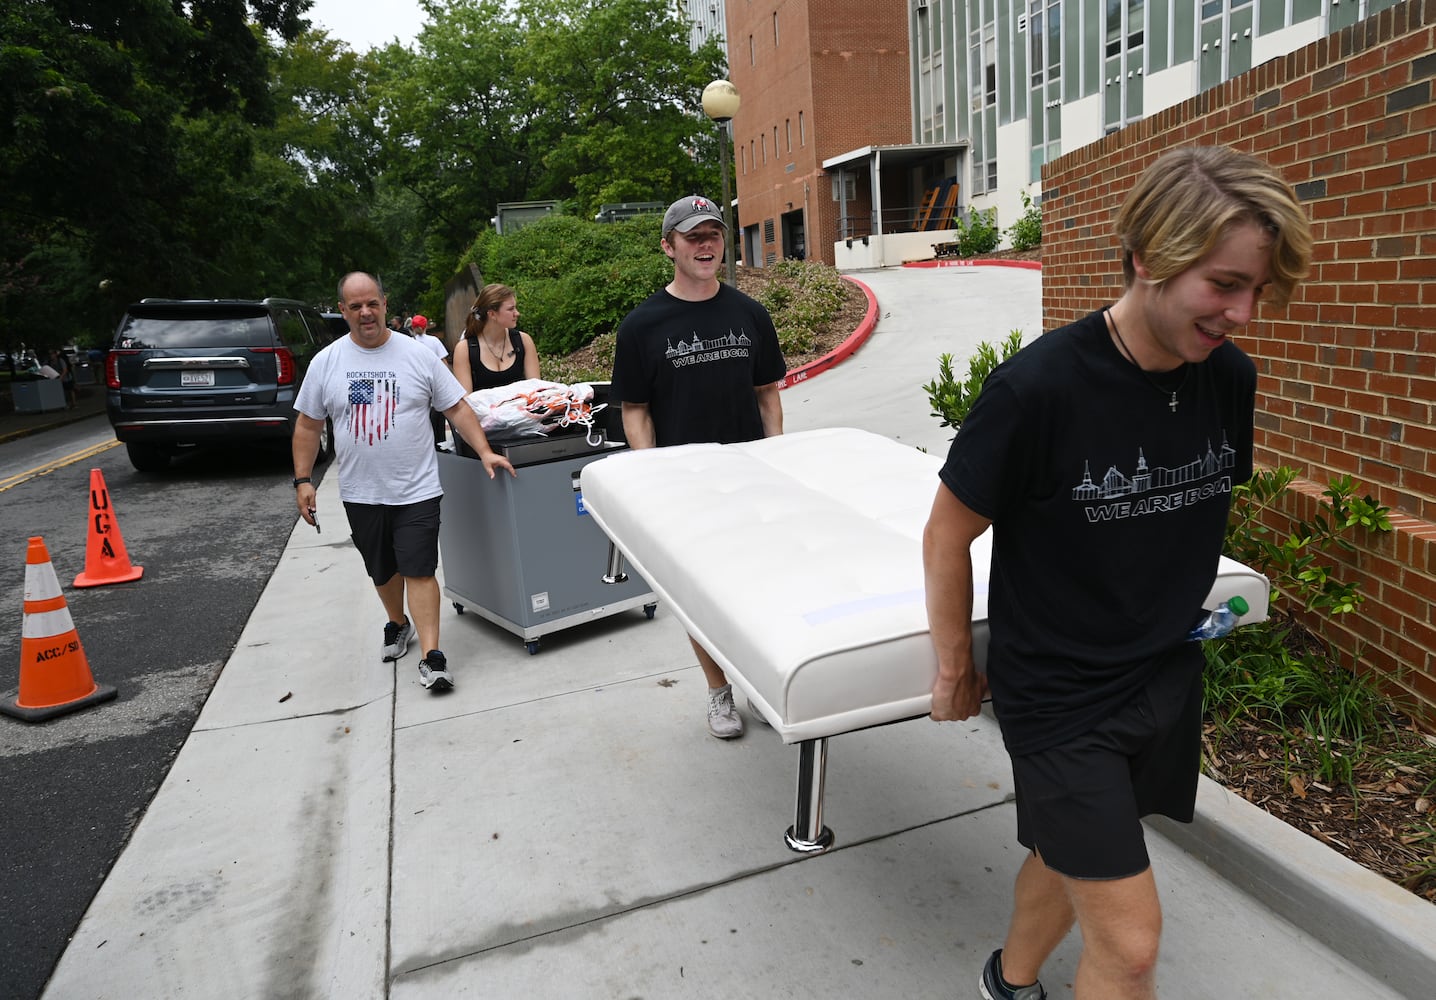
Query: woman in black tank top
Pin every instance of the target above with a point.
(493, 351)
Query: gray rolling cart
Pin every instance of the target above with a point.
(522, 552)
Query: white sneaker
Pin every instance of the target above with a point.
(397, 639)
(724, 721)
(434, 672)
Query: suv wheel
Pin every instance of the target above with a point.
(326, 441)
(148, 457)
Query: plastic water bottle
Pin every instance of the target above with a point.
(1221, 621)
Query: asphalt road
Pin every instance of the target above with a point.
(208, 534)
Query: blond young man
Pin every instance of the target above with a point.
(1103, 455)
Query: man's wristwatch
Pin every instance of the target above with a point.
(301, 481)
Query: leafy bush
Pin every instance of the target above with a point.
(977, 233)
(802, 296)
(1026, 232)
(575, 279)
(1276, 670)
(951, 400)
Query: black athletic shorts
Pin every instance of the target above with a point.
(403, 539)
(1079, 804)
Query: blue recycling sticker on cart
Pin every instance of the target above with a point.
(578, 505)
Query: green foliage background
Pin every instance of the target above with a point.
(575, 279)
(224, 149)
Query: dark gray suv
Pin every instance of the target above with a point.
(186, 371)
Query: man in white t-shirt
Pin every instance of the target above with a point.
(377, 389)
(419, 328)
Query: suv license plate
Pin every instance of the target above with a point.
(197, 378)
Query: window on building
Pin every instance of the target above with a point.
(763, 146)
(982, 94)
(788, 132)
(752, 53)
(775, 29)
(1045, 101)
(775, 142)
(802, 132)
(1124, 62)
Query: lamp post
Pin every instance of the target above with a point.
(720, 102)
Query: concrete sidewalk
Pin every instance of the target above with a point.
(562, 826)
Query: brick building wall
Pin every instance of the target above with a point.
(1347, 374)
(833, 79)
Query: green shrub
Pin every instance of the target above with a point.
(951, 400)
(1026, 232)
(977, 233)
(801, 296)
(575, 279)
(1277, 671)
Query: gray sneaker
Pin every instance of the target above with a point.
(396, 639)
(724, 721)
(994, 987)
(434, 672)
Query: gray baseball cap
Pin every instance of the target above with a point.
(685, 213)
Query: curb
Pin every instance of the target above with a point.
(1030, 265)
(844, 350)
(1380, 927)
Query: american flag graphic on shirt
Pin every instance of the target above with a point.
(373, 401)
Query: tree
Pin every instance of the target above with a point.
(123, 114)
(618, 111)
(544, 99)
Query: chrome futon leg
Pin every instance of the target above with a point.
(808, 835)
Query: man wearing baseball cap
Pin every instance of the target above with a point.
(698, 361)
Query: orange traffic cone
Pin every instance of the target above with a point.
(54, 675)
(106, 560)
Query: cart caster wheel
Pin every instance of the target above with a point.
(458, 607)
(532, 646)
(648, 610)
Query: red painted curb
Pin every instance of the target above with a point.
(1031, 265)
(843, 350)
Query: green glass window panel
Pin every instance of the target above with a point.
(1136, 23)
(1071, 55)
(1112, 93)
(1054, 41)
(1239, 50)
(1304, 10)
(1134, 86)
(1210, 65)
(1184, 31)
(1159, 34)
(1341, 16)
(1036, 36)
(1271, 15)
(1092, 25)
(1005, 45)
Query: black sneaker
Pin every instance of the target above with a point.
(396, 639)
(434, 672)
(994, 987)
